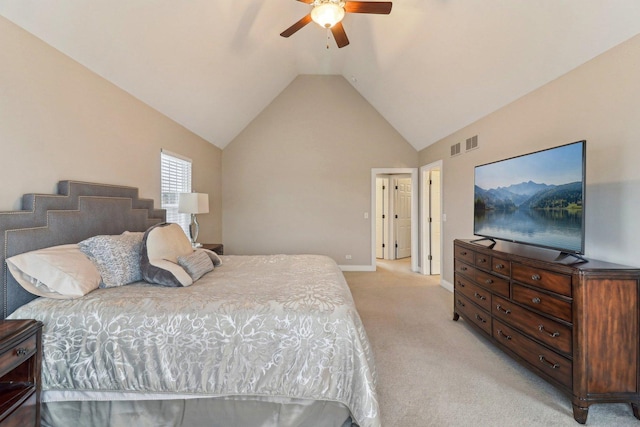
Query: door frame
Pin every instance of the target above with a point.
(414, 212)
(424, 209)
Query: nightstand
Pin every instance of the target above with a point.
(215, 247)
(20, 365)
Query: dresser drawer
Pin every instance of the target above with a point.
(473, 313)
(501, 266)
(17, 354)
(464, 254)
(493, 283)
(483, 261)
(464, 268)
(475, 293)
(552, 333)
(538, 356)
(554, 282)
(542, 302)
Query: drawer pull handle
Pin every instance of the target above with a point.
(553, 335)
(463, 268)
(506, 337)
(463, 253)
(535, 300)
(546, 362)
(499, 267)
(535, 277)
(499, 308)
(21, 351)
(482, 260)
(480, 319)
(460, 284)
(488, 281)
(480, 297)
(460, 303)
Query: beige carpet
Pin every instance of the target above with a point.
(433, 371)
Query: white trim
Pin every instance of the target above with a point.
(414, 212)
(447, 285)
(357, 267)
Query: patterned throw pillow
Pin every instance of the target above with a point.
(117, 258)
(197, 264)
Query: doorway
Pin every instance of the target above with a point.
(405, 205)
(393, 216)
(431, 218)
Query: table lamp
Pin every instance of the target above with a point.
(194, 203)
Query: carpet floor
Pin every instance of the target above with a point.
(433, 371)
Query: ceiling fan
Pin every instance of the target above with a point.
(329, 13)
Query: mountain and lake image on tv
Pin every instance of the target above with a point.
(536, 199)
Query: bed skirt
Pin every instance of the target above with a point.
(203, 412)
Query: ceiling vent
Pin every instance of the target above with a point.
(472, 142)
(455, 149)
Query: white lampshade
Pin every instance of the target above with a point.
(327, 14)
(193, 203)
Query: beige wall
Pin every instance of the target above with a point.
(60, 121)
(599, 102)
(298, 178)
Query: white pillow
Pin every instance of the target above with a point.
(162, 245)
(61, 272)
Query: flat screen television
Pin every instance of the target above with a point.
(535, 199)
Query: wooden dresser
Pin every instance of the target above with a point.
(576, 325)
(20, 365)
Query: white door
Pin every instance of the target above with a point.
(431, 218)
(382, 217)
(402, 217)
(436, 221)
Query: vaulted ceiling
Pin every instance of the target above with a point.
(430, 67)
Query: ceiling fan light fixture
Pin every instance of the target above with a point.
(327, 13)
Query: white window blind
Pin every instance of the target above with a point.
(176, 178)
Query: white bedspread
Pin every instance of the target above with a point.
(283, 326)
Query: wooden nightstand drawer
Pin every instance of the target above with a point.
(25, 414)
(20, 368)
(17, 354)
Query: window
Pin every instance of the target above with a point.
(175, 173)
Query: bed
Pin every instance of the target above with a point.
(259, 341)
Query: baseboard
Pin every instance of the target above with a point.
(357, 267)
(448, 286)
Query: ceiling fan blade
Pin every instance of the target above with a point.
(380, 7)
(295, 27)
(340, 35)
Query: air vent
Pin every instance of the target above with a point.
(472, 142)
(455, 149)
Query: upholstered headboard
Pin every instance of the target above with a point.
(79, 210)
